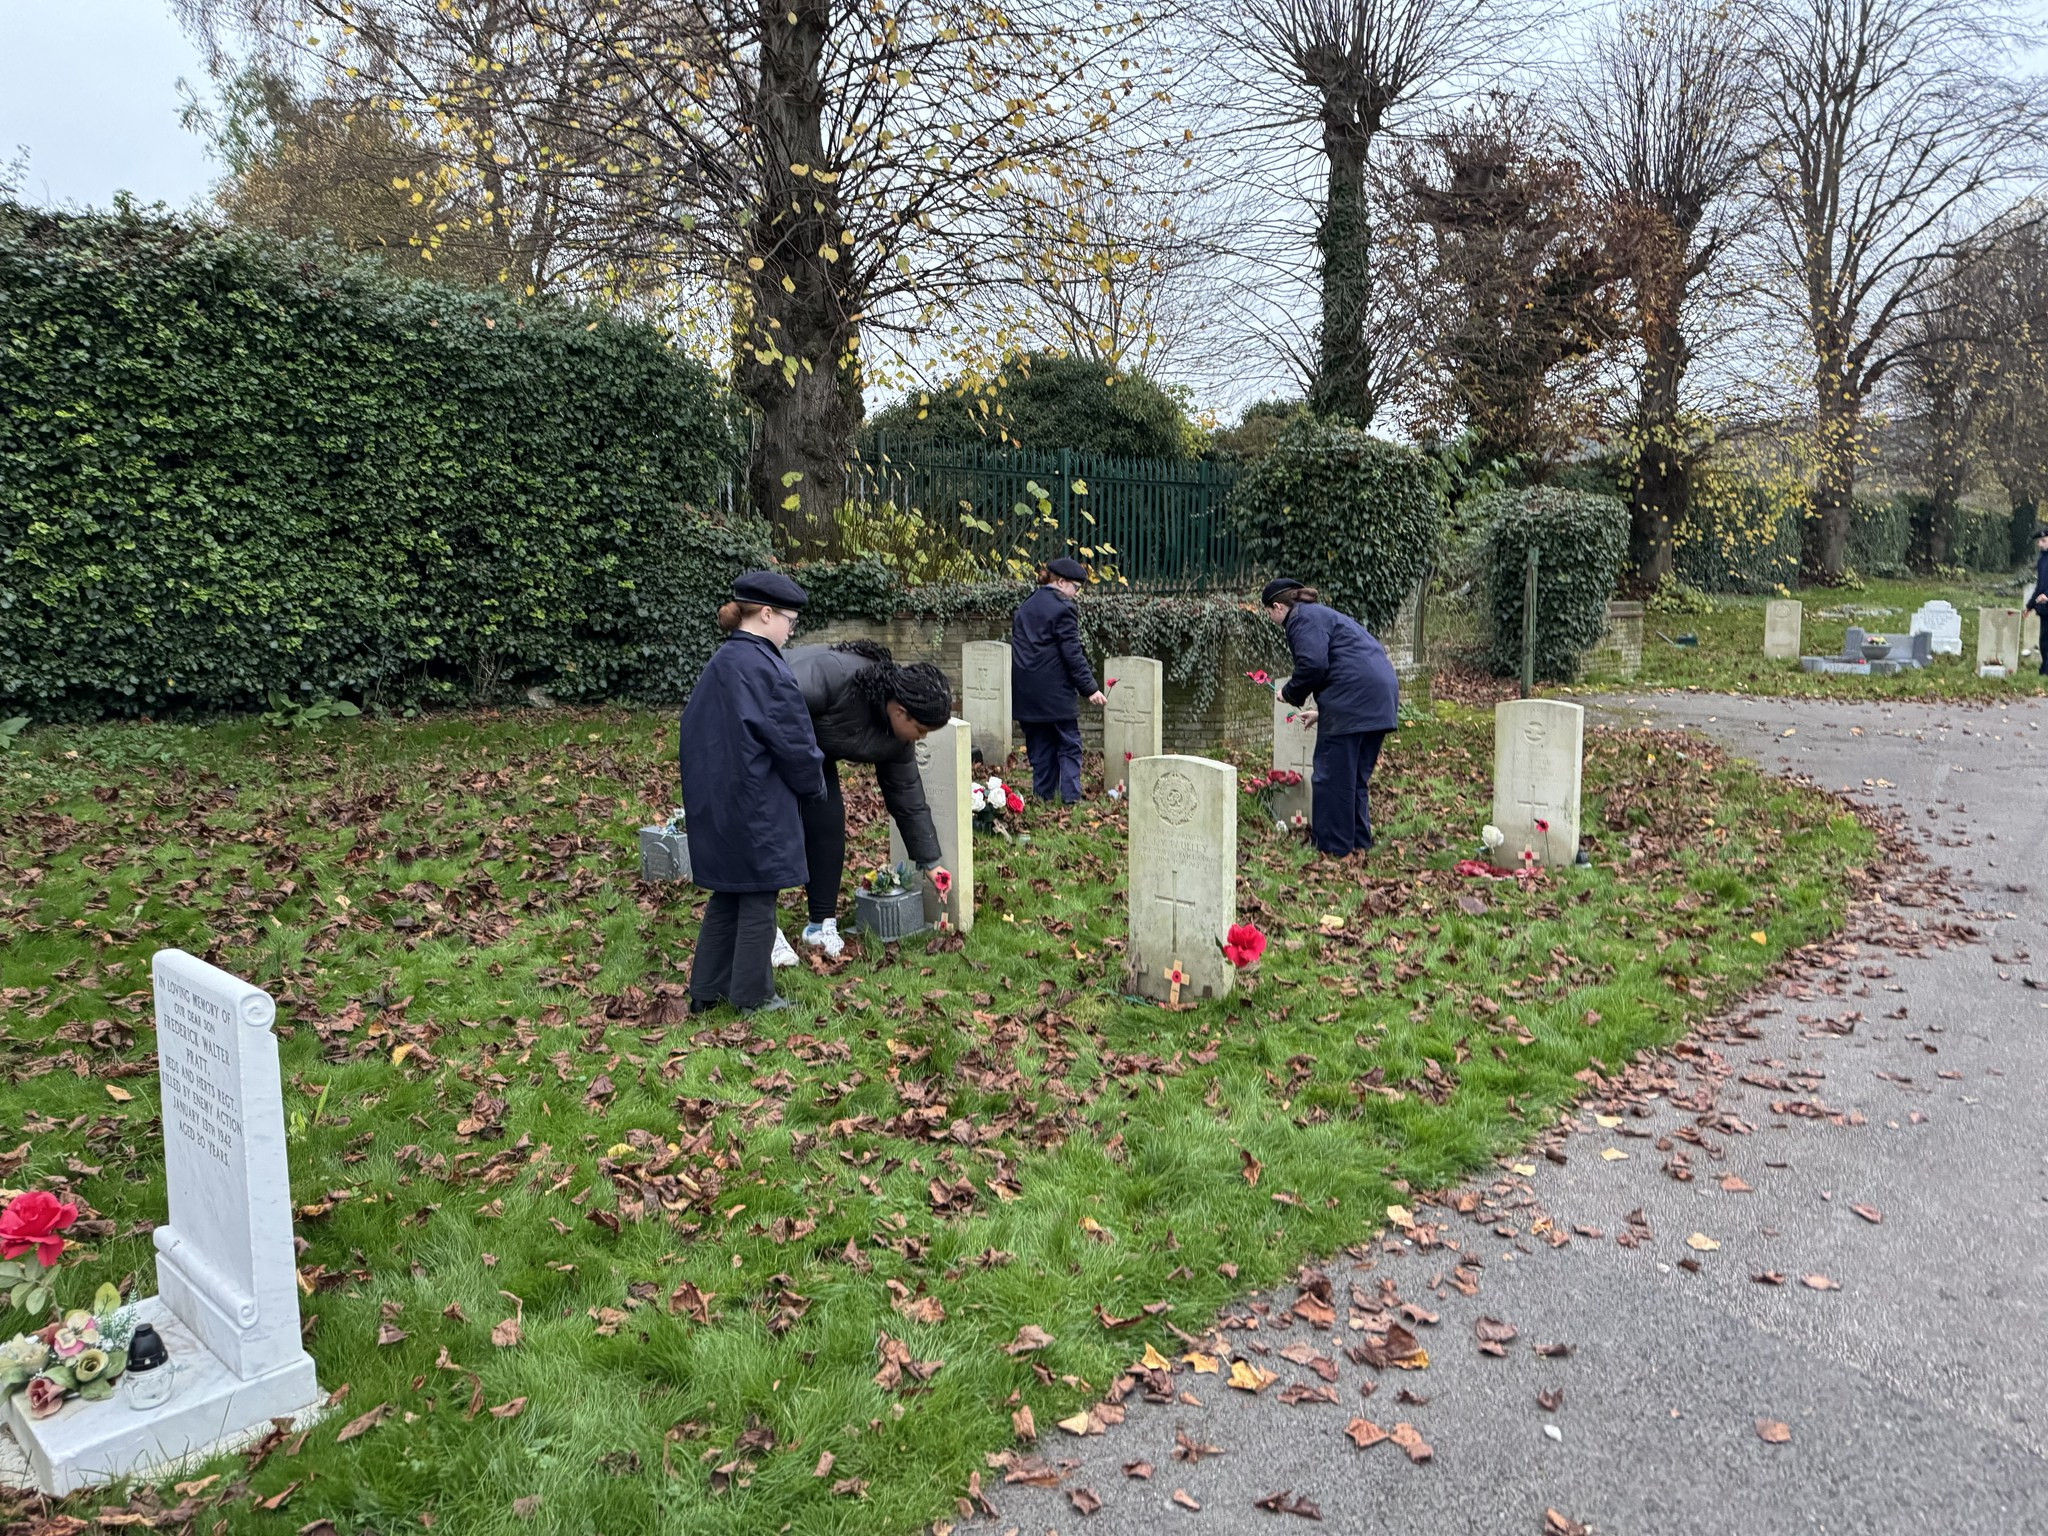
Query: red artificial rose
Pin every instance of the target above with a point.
(1243, 945)
(33, 1220)
(1013, 799)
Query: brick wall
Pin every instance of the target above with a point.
(1238, 716)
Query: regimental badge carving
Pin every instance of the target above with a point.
(923, 752)
(1535, 732)
(1174, 798)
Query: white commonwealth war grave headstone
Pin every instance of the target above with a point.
(945, 760)
(227, 1302)
(1182, 889)
(985, 698)
(1538, 750)
(1784, 626)
(1940, 620)
(1133, 724)
(1998, 637)
(1294, 747)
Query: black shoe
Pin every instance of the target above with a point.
(701, 1005)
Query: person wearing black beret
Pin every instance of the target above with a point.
(2038, 600)
(1048, 672)
(1357, 699)
(750, 762)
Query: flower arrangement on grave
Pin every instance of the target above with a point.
(1266, 788)
(887, 879)
(990, 802)
(81, 1354)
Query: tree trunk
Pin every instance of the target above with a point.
(1837, 437)
(1343, 382)
(1658, 482)
(797, 361)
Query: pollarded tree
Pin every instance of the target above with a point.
(1889, 124)
(1659, 121)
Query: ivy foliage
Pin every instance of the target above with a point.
(1355, 517)
(1582, 541)
(232, 468)
(1198, 639)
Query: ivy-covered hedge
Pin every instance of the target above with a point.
(1582, 541)
(1190, 635)
(230, 466)
(1357, 518)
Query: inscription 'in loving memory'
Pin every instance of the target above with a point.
(194, 1066)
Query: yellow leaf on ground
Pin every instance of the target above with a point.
(1247, 1377)
(1205, 1365)
(1614, 1155)
(1758, 936)
(1524, 1169)
(118, 1095)
(1077, 1425)
(1699, 1242)
(1608, 1122)
(399, 1053)
(1155, 1361)
(1400, 1216)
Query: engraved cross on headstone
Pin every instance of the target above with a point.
(1176, 902)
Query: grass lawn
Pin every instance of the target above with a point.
(1729, 657)
(763, 1278)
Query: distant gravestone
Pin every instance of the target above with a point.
(1784, 625)
(945, 761)
(1133, 727)
(1942, 621)
(1538, 747)
(1182, 891)
(227, 1302)
(1998, 637)
(985, 697)
(1294, 749)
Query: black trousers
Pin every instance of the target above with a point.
(1054, 748)
(733, 950)
(825, 847)
(1340, 786)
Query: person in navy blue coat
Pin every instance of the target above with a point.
(1048, 672)
(2039, 601)
(749, 761)
(1346, 671)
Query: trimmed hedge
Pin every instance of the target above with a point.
(230, 466)
(1582, 542)
(1355, 517)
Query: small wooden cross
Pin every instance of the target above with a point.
(1174, 977)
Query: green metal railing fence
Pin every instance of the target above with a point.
(1159, 523)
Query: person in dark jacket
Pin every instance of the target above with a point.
(864, 709)
(1048, 671)
(1346, 671)
(2039, 601)
(749, 762)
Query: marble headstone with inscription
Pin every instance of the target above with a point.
(1182, 891)
(1537, 757)
(227, 1302)
(945, 761)
(1942, 621)
(985, 698)
(1134, 726)
(1784, 623)
(1294, 748)
(1998, 637)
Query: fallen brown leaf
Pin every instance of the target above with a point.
(1772, 1432)
(362, 1422)
(1819, 1283)
(1364, 1433)
(1185, 1499)
(510, 1410)
(1029, 1338)
(1555, 1524)
(1550, 1400)
(1410, 1440)
(1023, 1425)
(1140, 1470)
(1284, 1503)
(1869, 1213)
(1185, 1449)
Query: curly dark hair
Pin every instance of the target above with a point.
(920, 688)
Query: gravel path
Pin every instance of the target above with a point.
(1911, 1376)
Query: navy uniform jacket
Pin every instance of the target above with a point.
(1344, 667)
(2040, 578)
(851, 730)
(1048, 669)
(748, 756)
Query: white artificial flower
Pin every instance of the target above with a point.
(978, 798)
(1492, 836)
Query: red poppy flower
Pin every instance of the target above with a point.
(1542, 825)
(1243, 945)
(33, 1220)
(1260, 676)
(942, 880)
(1108, 683)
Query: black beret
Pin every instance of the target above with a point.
(1066, 569)
(2041, 533)
(1277, 586)
(770, 587)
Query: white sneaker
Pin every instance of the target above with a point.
(783, 955)
(825, 936)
